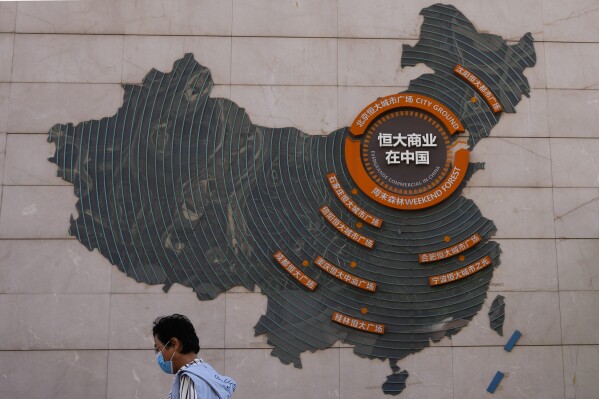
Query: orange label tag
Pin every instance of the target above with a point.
(294, 271)
(461, 273)
(343, 275)
(478, 85)
(350, 204)
(450, 251)
(345, 229)
(358, 324)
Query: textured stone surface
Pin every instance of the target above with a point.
(314, 108)
(68, 58)
(573, 113)
(534, 372)
(580, 320)
(517, 212)
(4, 102)
(8, 16)
(36, 211)
(319, 376)
(142, 53)
(76, 17)
(577, 264)
(305, 18)
(129, 331)
(284, 61)
(575, 23)
(526, 265)
(88, 368)
(580, 364)
(187, 17)
(54, 321)
(572, 65)
(575, 162)
(6, 56)
(27, 161)
(73, 269)
(576, 212)
(35, 106)
(512, 162)
(48, 287)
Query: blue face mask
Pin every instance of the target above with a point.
(165, 365)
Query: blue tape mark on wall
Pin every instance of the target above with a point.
(512, 341)
(180, 187)
(495, 382)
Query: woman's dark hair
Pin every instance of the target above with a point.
(177, 326)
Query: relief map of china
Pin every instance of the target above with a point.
(180, 187)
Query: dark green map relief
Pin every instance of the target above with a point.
(180, 187)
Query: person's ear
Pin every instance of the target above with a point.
(175, 344)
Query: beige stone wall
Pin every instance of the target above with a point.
(72, 326)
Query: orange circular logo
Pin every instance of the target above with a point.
(401, 151)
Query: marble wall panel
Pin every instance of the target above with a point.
(221, 91)
(580, 320)
(517, 212)
(580, 376)
(243, 312)
(123, 284)
(575, 162)
(36, 107)
(9, 311)
(358, 19)
(530, 372)
(185, 17)
(8, 16)
(54, 321)
(68, 58)
(6, 56)
(380, 19)
(535, 314)
(132, 315)
(284, 61)
(576, 212)
(313, 110)
(46, 285)
(302, 18)
(574, 22)
(430, 375)
(67, 267)
(572, 65)
(2, 156)
(353, 99)
(135, 373)
(36, 211)
(573, 113)
(58, 374)
(142, 53)
(27, 161)
(526, 265)
(4, 105)
(577, 264)
(318, 377)
(78, 17)
(530, 119)
(370, 62)
(512, 162)
(537, 75)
